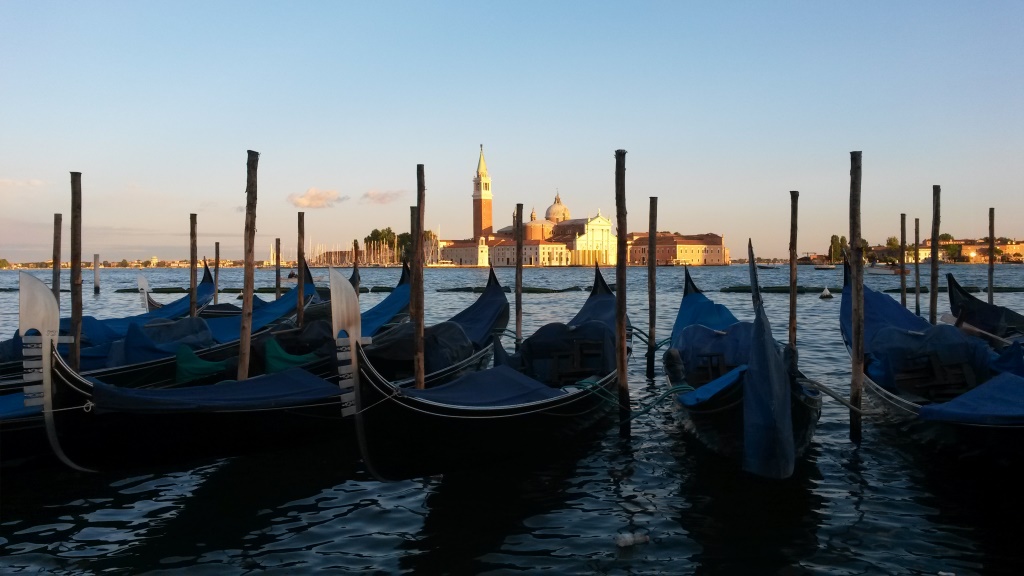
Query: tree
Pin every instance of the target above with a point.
(844, 246)
(946, 237)
(952, 251)
(4, 263)
(835, 249)
(122, 264)
(405, 243)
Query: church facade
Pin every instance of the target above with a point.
(556, 240)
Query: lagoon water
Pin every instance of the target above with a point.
(883, 507)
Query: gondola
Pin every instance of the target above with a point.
(92, 424)
(100, 333)
(972, 312)
(21, 409)
(204, 295)
(560, 385)
(938, 379)
(743, 395)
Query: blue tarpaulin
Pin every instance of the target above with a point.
(998, 402)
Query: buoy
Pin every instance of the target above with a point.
(825, 294)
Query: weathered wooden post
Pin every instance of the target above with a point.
(991, 250)
(300, 266)
(76, 270)
(933, 294)
(355, 264)
(794, 197)
(903, 260)
(95, 273)
(249, 274)
(519, 275)
(193, 264)
(620, 291)
(857, 292)
(652, 283)
(55, 281)
(216, 270)
(416, 297)
(277, 268)
(917, 266)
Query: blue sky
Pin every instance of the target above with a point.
(723, 109)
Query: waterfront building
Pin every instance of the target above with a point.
(557, 240)
(674, 249)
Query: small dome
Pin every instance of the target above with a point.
(557, 212)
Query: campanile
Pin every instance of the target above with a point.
(482, 223)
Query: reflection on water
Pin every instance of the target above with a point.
(884, 507)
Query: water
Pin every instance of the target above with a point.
(884, 507)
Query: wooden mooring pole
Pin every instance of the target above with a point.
(917, 266)
(277, 268)
(216, 270)
(903, 260)
(55, 280)
(417, 300)
(76, 270)
(620, 292)
(991, 250)
(933, 290)
(794, 197)
(857, 292)
(300, 266)
(249, 273)
(193, 264)
(95, 273)
(519, 275)
(652, 284)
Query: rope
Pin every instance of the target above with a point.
(836, 395)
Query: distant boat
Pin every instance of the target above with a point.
(825, 267)
(885, 269)
(767, 266)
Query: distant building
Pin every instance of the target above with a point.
(674, 249)
(557, 240)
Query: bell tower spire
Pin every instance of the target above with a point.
(482, 222)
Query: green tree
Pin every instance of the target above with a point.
(835, 249)
(952, 251)
(122, 264)
(944, 237)
(405, 243)
(4, 263)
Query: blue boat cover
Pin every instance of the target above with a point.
(13, 406)
(698, 309)
(895, 339)
(290, 388)
(95, 332)
(229, 328)
(494, 387)
(1011, 360)
(709, 391)
(378, 316)
(768, 446)
(998, 402)
(160, 339)
(488, 314)
(600, 304)
(696, 342)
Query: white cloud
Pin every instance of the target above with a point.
(10, 183)
(315, 198)
(381, 196)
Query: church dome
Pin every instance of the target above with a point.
(557, 212)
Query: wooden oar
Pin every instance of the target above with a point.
(973, 330)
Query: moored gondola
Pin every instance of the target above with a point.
(743, 395)
(561, 384)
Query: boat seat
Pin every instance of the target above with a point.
(710, 366)
(584, 359)
(930, 377)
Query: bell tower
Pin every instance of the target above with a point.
(482, 223)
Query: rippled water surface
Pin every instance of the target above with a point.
(884, 507)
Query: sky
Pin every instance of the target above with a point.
(723, 109)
